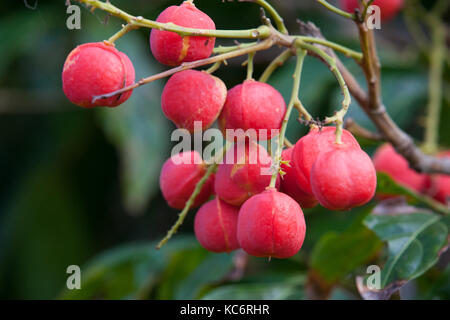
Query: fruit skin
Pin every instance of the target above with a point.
(290, 186)
(343, 178)
(244, 173)
(93, 69)
(192, 95)
(253, 105)
(179, 178)
(308, 148)
(271, 224)
(215, 226)
(388, 8)
(170, 48)
(387, 160)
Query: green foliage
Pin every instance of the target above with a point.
(337, 254)
(414, 242)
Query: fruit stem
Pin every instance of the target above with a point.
(437, 60)
(261, 32)
(125, 29)
(226, 49)
(251, 55)
(358, 56)
(338, 117)
(336, 10)
(198, 187)
(279, 22)
(301, 54)
(276, 63)
(214, 67)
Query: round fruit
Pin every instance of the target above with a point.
(271, 224)
(192, 95)
(290, 186)
(388, 8)
(172, 49)
(308, 148)
(179, 176)
(253, 105)
(215, 226)
(93, 69)
(246, 171)
(387, 160)
(343, 178)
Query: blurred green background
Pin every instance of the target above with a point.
(80, 187)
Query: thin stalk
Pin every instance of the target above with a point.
(338, 117)
(275, 64)
(336, 10)
(125, 29)
(279, 22)
(261, 32)
(251, 55)
(358, 56)
(301, 54)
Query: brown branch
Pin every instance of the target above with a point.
(359, 131)
(373, 106)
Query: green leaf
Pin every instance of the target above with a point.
(337, 254)
(129, 271)
(414, 241)
(291, 288)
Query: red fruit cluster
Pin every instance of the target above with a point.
(339, 176)
(388, 161)
(93, 69)
(388, 8)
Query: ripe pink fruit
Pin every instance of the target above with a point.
(179, 176)
(271, 224)
(93, 69)
(192, 95)
(290, 186)
(343, 178)
(215, 226)
(244, 173)
(253, 105)
(308, 148)
(170, 48)
(387, 160)
(388, 8)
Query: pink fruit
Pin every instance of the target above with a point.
(343, 178)
(93, 69)
(290, 186)
(308, 148)
(170, 48)
(179, 176)
(387, 160)
(215, 226)
(271, 224)
(193, 96)
(253, 105)
(440, 184)
(244, 173)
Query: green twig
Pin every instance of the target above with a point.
(125, 29)
(279, 22)
(251, 55)
(338, 117)
(276, 63)
(261, 32)
(301, 54)
(336, 10)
